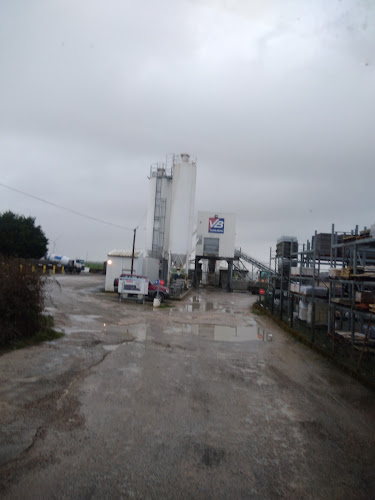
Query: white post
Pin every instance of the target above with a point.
(169, 267)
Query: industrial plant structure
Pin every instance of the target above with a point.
(170, 214)
(216, 234)
(175, 238)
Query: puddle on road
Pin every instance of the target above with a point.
(197, 304)
(111, 347)
(82, 323)
(130, 332)
(221, 333)
(252, 332)
(51, 310)
(205, 306)
(84, 318)
(124, 334)
(68, 330)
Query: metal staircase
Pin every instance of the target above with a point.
(239, 254)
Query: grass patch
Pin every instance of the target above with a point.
(95, 266)
(257, 310)
(45, 334)
(165, 305)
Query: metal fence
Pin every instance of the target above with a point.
(177, 288)
(357, 357)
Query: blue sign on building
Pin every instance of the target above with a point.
(216, 225)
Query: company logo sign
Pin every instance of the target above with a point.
(215, 225)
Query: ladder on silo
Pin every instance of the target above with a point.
(159, 219)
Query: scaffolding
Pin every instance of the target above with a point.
(161, 173)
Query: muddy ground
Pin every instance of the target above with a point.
(200, 400)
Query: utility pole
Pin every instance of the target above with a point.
(135, 231)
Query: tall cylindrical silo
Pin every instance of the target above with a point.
(182, 209)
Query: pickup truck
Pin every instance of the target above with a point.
(152, 288)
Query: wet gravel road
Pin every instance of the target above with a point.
(200, 400)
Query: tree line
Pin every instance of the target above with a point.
(20, 237)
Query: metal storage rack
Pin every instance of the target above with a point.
(310, 286)
(352, 319)
(347, 256)
(278, 284)
(343, 263)
(290, 287)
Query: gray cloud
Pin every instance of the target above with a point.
(275, 100)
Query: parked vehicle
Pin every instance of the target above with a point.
(153, 289)
(70, 265)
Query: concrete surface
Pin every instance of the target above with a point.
(201, 400)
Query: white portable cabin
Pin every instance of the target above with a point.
(120, 261)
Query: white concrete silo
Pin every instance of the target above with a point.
(170, 214)
(184, 172)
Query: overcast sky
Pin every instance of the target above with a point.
(275, 99)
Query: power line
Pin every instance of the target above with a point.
(65, 208)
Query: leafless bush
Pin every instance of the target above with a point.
(21, 301)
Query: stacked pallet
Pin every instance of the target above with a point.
(354, 237)
(294, 287)
(302, 271)
(321, 313)
(365, 297)
(334, 273)
(366, 273)
(366, 233)
(322, 243)
(346, 273)
(286, 246)
(358, 338)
